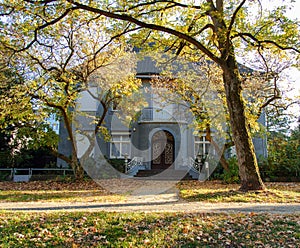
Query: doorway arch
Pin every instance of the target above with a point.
(163, 150)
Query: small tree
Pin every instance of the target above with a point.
(283, 144)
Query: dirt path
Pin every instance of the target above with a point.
(165, 202)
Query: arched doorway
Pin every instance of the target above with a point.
(162, 150)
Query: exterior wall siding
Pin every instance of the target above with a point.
(142, 131)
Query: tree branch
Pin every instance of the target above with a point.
(276, 95)
(61, 156)
(40, 2)
(260, 43)
(47, 24)
(233, 18)
(143, 24)
(169, 2)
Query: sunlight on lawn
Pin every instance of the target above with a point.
(218, 192)
(58, 196)
(210, 191)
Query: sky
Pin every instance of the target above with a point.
(293, 74)
(294, 14)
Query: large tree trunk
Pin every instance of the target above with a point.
(248, 166)
(78, 169)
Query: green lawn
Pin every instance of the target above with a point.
(218, 192)
(54, 191)
(88, 191)
(58, 196)
(69, 229)
(103, 229)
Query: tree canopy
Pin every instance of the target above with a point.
(72, 58)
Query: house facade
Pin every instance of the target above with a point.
(160, 139)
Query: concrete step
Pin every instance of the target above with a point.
(164, 174)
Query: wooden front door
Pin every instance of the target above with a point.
(162, 150)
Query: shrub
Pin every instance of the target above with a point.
(232, 175)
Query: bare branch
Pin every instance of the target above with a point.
(54, 21)
(260, 43)
(143, 24)
(61, 156)
(207, 26)
(233, 18)
(126, 31)
(41, 64)
(71, 47)
(40, 2)
(276, 95)
(155, 10)
(170, 2)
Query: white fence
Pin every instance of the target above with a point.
(24, 174)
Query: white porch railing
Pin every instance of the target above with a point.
(24, 174)
(199, 167)
(150, 114)
(134, 165)
(195, 165)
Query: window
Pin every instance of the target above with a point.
(201, 145)
(161, 110)
(114, 105)
(120, 145)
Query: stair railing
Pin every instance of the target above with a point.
(195, 165)
(133, 164)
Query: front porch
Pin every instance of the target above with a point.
(190, 169)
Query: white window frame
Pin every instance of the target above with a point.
(201, 142)
(114, 106)
(122, 141)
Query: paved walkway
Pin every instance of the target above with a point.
(164, 202)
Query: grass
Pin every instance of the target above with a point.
(138, 229)
(214, 191)
(101, 229)
(58, 196)
(56, 191)
(88, 191)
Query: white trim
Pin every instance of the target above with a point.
(113, 107)
(148, 76)
(202, 142)
(121, 133)
(120, 143)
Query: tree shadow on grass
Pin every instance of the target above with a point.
(215, 196)
(36, 196)
(239, 196)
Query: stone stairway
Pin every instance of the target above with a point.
(169, 174)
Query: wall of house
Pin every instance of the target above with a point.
(260, 141)
(142, 137)
(64, 145)
(150, 121)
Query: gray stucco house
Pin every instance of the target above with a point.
(161, 139)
